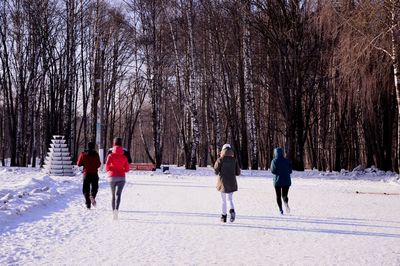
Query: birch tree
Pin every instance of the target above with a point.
(70, 73)
(153, 30)
(7, 85)
(394, 10)
(193, 87)
(249, 87)
(320, 78)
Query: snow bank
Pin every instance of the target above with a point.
(25, 188)
(359, 173)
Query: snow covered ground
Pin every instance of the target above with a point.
(347, 218)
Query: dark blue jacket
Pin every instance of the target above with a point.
(281, 169)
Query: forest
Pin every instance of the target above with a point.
(176, 79)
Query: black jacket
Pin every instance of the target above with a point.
(126, 153)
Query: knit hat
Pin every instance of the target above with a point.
(226, 146)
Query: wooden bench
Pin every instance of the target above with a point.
(142, 166)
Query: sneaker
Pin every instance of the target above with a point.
(287, 209)
(115, 214)
(93, 201)
(223, 218)
(281, 211)
(233, 215)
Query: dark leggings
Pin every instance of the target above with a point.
(90, 187)
(116, 186)
(282, 192)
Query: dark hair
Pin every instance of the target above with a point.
(91, 146)
(118, 141)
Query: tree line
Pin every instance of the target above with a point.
(176, 79)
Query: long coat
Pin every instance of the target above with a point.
(227, 168)
(281, 169)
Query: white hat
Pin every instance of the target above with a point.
(226, 146)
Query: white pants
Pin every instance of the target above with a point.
(230, 199)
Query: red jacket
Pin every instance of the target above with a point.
(117, 163)
(90, 161)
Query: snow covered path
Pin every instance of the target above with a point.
(174, 220)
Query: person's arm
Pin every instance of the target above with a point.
(108, 163)
(80, 160)
(217, 166)
(237, 168)
(98, 162)
(127, 168)
(273, 167)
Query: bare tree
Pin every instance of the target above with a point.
(177, 79)
(249, 87)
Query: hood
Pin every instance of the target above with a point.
(278, 152)
(118, 150)
(227, 152)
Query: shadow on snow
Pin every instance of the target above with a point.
(284, 219)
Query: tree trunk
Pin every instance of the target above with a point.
(193, 88)
(396, 73)
(249, 88)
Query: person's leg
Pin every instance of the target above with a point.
(223, 206)
(278, 197)
(95, 185)
(86, 190)
(230, 199)
(232, 209)
(285, 191)
(94, 182)
(120, 185)
(113, 188)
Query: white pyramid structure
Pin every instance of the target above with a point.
(58, 160)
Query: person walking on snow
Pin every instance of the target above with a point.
(90, 161)
(116, 166)
(281, 170)
(227, 168)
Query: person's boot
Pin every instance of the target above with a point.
(223, 218)
(233, 215)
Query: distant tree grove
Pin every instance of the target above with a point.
(176, 79)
